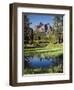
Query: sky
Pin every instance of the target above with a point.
(36, 19)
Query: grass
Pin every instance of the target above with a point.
(55, 69)
(50, 50)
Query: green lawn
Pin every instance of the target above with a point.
(49, 50)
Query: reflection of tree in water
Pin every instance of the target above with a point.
(55, 65)
(54, 61)
(59, 60)
(26, 62)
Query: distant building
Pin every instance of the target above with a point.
(42, 30)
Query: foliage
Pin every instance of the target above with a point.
(58, 27)
(55, 69)
(52, 38)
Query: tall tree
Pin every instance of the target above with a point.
(58, 27)
(26, 26)
(28, 32)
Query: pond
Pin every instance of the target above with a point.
(37, 62)
(40, 62)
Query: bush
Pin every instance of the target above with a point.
(52, 38)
